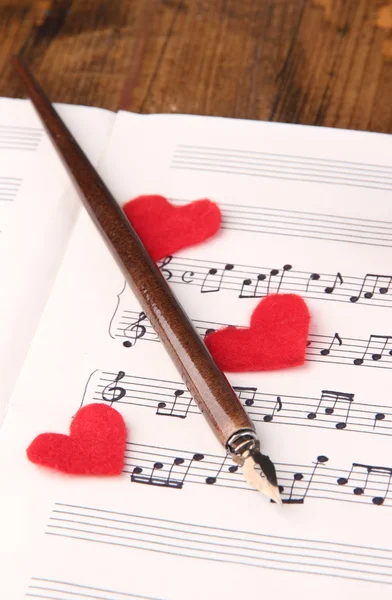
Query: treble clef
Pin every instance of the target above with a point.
(113, 392)
(162, 266)
(134, 331)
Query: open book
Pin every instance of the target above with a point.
(305, 210)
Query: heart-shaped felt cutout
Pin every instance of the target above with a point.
(95, 446)
(164, 229)
(276, 338)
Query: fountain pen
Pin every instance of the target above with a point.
(206, 383)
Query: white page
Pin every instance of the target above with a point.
(38, 208)
(218, 539)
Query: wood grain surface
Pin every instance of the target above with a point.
(317, 62)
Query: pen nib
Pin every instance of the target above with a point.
(264, 479)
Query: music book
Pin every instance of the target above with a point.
(306, 210)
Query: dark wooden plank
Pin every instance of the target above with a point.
(323, 62)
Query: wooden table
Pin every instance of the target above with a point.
(319, 62)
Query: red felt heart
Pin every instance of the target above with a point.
(276, 338)
(95, 446)
(164, 229)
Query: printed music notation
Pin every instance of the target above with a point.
(282, 166)
(20, 138)
(166, 467)
(62, 590)
(246, 548)
(247, 282)
(331, 409)
(375, 351)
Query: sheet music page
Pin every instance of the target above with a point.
(38, 208)
(305, 211)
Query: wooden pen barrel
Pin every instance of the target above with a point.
(207, 384)
(204, 380)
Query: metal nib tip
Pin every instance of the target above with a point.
(264, 479)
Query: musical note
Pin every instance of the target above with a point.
(233, 469)
(162, 264)
(314, 349)
(379, 343)
(177, 409)
(212, 480)
(152, 479)
(380, 477)
(245, 393)
(329, 409)
(372, 280)
(312, 277)
(336, 338)
(286, 268)
(251, 282)
(277, 408)
(333, 399)
(113, 392)
(331, 289)
(250, 289)
(299, 477)
(138, 475)
(213, 280)
(135, 331)
(272, 274)
(275, 273)
(364, 482)
(195, 458)
(378, 417)
(208, 331)
(291, 499)
(175, 482)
